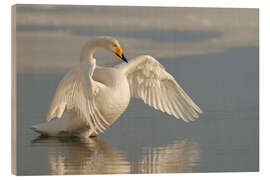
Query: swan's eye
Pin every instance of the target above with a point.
(114, 45)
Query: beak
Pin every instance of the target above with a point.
(124, 58)
(119, 53)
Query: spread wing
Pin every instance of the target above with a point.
(76, 92)
(149, 81)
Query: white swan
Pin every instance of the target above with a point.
(90, 98)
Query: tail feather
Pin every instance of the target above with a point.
(39, 128)
(51, 128)
(68, 125)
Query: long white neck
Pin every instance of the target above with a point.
(89, 49)
(92, 66)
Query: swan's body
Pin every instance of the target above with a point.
(90, 97)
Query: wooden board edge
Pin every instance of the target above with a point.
(13, 93)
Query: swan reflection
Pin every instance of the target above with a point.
(83, 156)
(95, 156)
(178, 157)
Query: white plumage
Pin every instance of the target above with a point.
(90, 97)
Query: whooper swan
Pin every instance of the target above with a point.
(90, 97)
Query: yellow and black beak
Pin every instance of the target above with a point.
(119, 53)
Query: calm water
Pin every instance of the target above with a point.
(143, 140)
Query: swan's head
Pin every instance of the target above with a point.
(108, 43)
(111, 44)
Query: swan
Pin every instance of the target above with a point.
(90, 97)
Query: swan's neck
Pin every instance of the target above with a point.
(89, 50)
(92, 66)
(91, 53)
(88, 54)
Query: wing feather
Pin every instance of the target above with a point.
(149, 81)
(76, 92)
